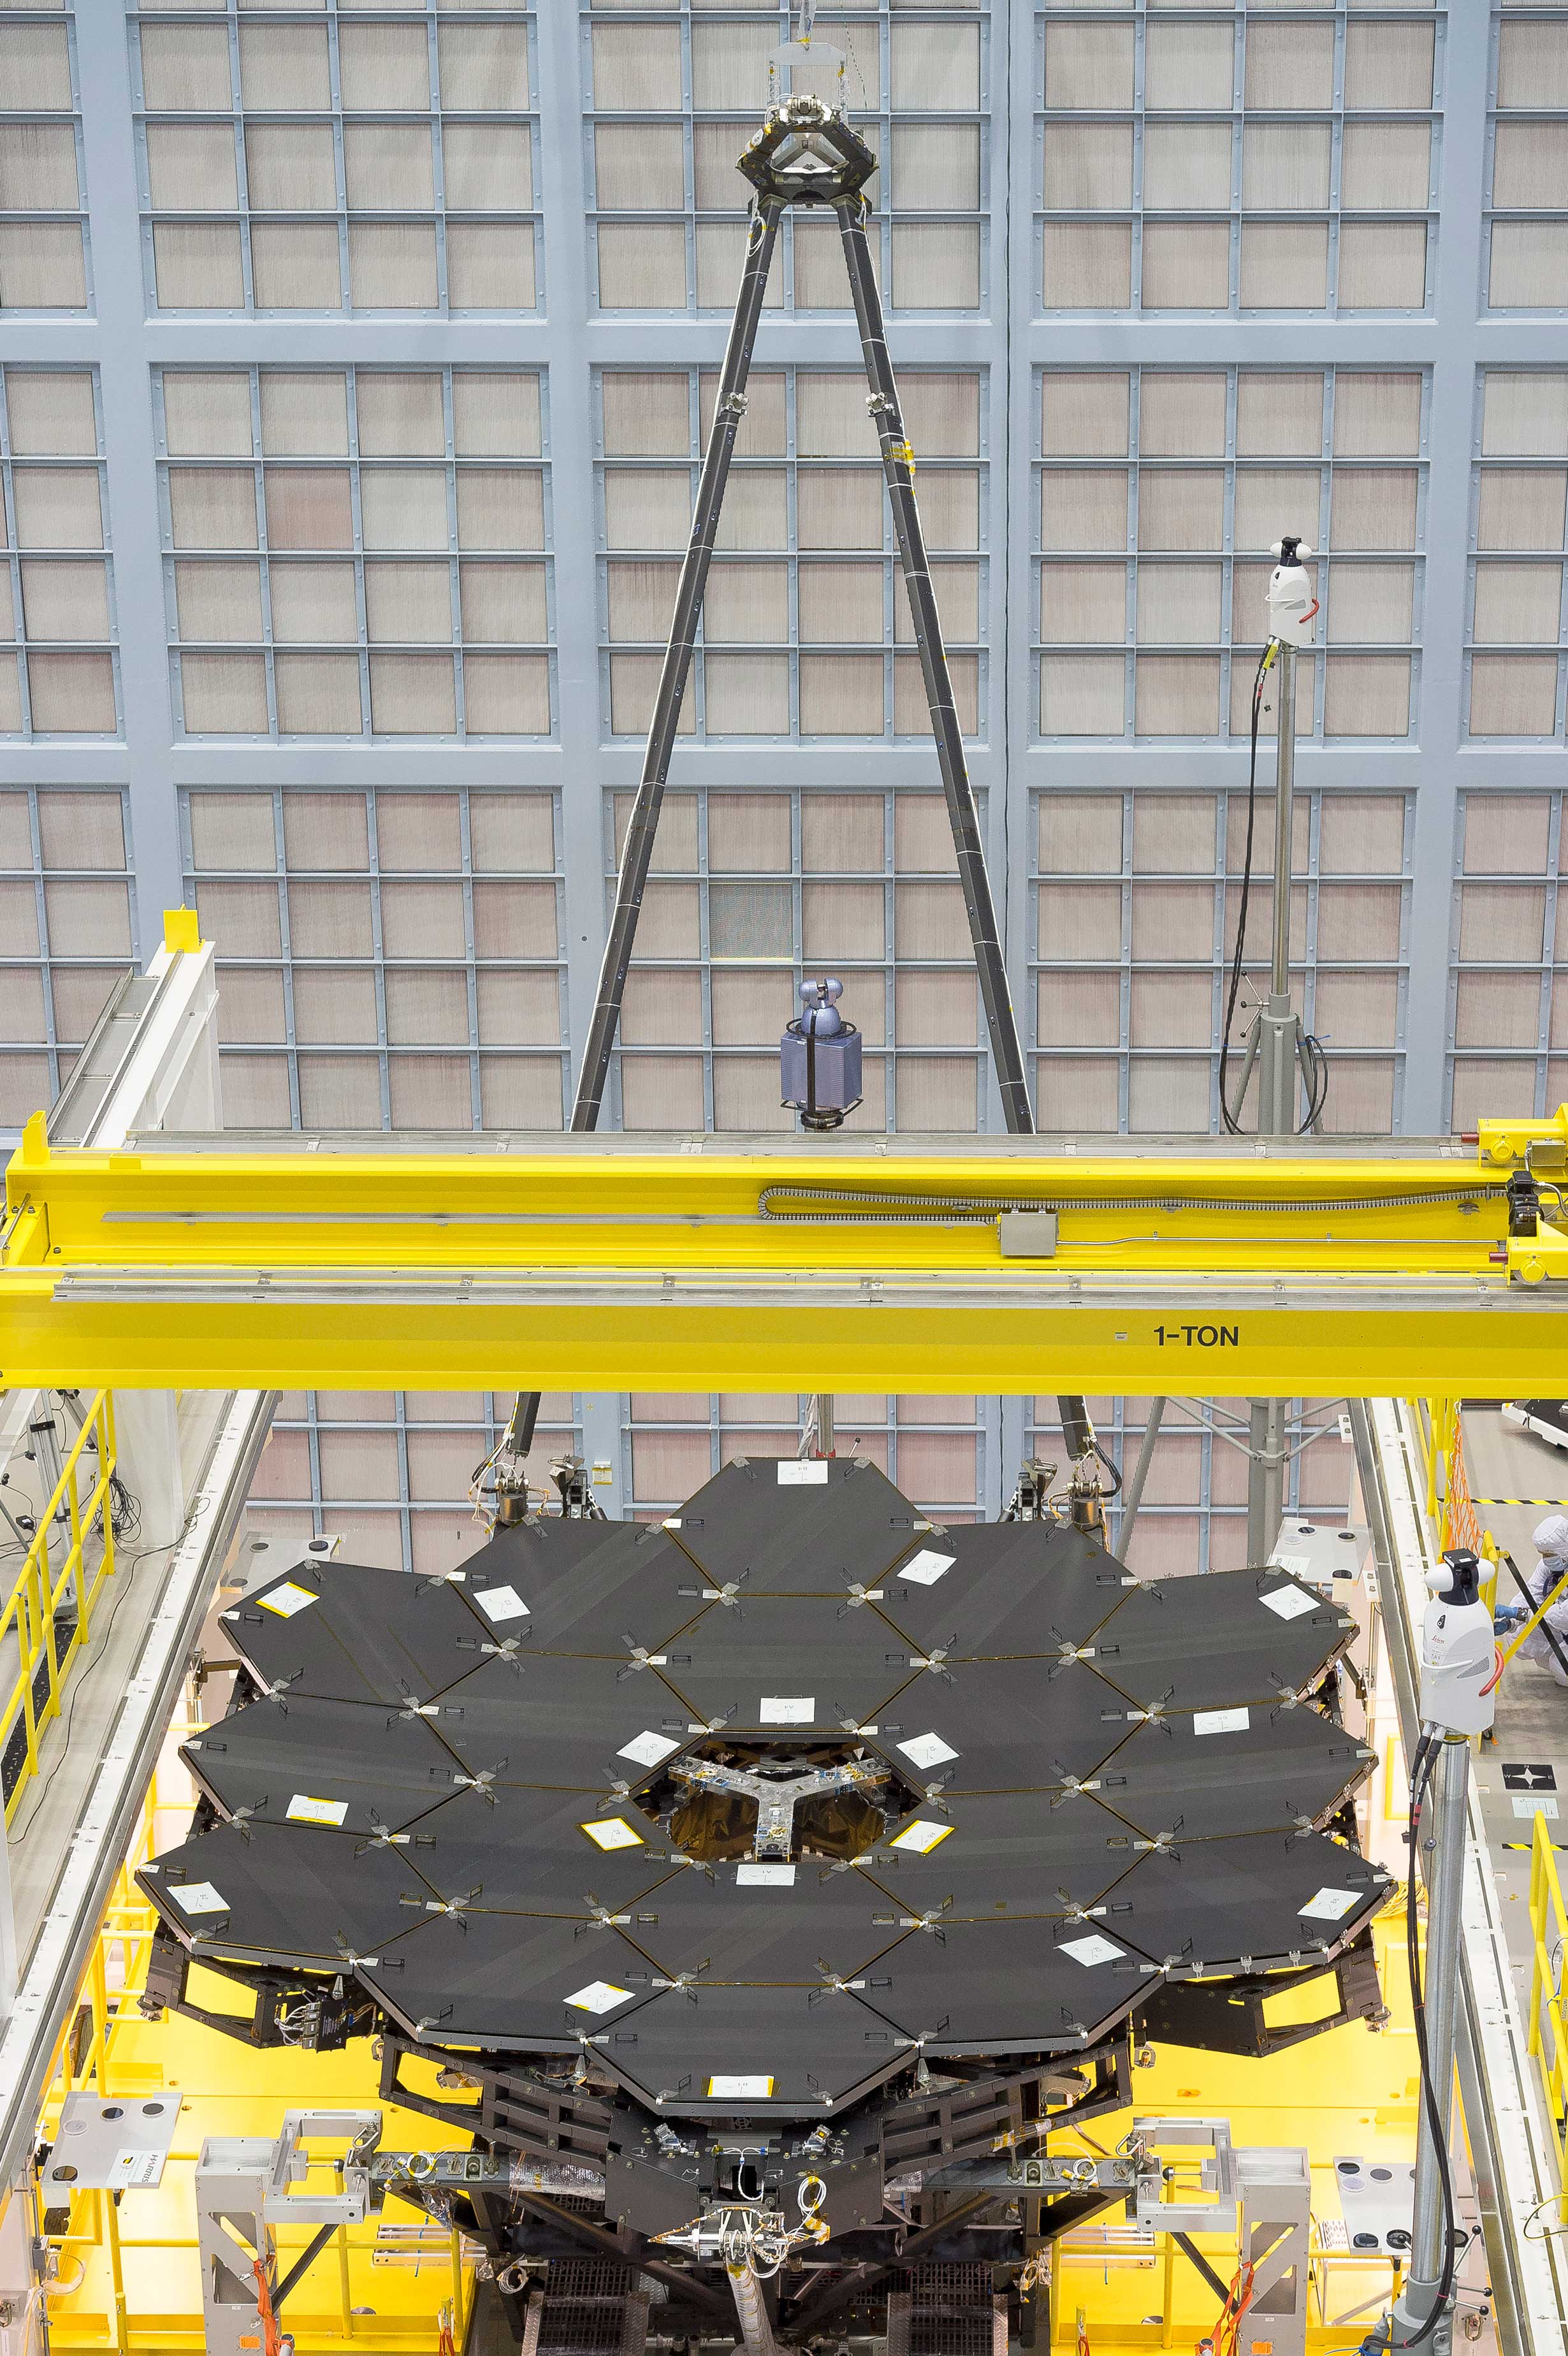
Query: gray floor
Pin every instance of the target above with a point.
(1531, 1727)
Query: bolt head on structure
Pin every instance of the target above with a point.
(806, 154)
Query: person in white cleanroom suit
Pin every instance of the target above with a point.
(1549, 1538)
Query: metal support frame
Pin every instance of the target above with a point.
(245, 2185)
(1274, 2187)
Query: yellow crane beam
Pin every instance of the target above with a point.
(1003, 1265)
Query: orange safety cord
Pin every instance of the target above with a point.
(1222, 2340)
(272, 2338)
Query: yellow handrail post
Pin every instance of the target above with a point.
(109, 2225)
(1546, 2036)
(458, 2322)
(108, 1455)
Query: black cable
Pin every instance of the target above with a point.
(1317, 1080)
(124, 1513)
(1233, 1124)
(1422, 1768)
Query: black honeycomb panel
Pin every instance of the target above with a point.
(1260, 1899)
(779, 2051)
(588, 1586)
(750, 1923)
(1009, 1986)
(508, 1979)
(769, 1525)
(296, 1759)
(1201, 1643)
(1005, 1855)
(490, 1741)
(526, 1852)
(1011, 1588)
(283, 1893)
(795, 1661)
(1015, 1725)
(1197, 1774)
(364, 1634)
(561, 1723)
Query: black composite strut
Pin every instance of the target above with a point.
(898, 465)
(729, 409)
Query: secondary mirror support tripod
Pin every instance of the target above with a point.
(805, 153)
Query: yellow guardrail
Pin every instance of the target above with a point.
(49, 1609)
(1547, 2038)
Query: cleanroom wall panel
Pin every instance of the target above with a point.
(337, 163)
(44, 248)
(59, 655)
(357, 551)
(1159, 493)
(388, 959)
(67, 920)
(1295, 199)
(1239, 164)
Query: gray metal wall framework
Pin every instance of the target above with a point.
(1121, 246)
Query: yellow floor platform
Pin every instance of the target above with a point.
(382, 2285)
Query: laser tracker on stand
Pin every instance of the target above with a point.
(1277, 1044)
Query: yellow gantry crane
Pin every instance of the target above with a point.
(1006, 1264)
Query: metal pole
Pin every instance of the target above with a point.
(1443, 1839)
(729, 408)
(825, 1423)
(1280, 1033)
(1265, 1475)
(1133, 1496)
(1279, 1055)
(898, 465)
(1285, 781)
